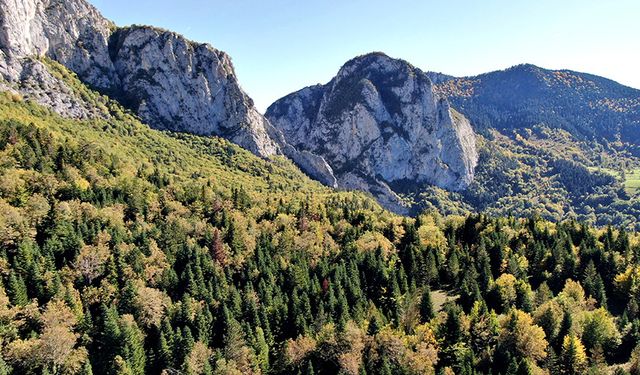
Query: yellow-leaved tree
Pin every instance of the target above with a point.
(573, 358)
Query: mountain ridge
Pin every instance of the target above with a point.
(171, 82)
(524, 95)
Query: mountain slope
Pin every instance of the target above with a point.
(127, 250)
(167, 80)
(586, 105)
(381, 127)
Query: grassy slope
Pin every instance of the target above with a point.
(632, 181)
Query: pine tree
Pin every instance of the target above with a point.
(524, 368)
(111, 333)
(385, 368)
(17, 290)
(593, 284)
(262, 351)
(426, 306)
(165, 354)
(513, 367)
(374, 325)
(309, 369)
(430, 268)
(186, 343)
(565, 328)
(132, 346)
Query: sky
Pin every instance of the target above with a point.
(280, 46)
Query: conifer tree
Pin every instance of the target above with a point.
(17, 290)
(426, 306)
(573, 359)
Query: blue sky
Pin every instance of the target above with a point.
(279, 46)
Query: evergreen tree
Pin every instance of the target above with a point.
(426, 306)
(565, 328)
(309, 369)
(132, 346)
(17, 290)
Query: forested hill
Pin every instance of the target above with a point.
(125, 250)
(586, 105)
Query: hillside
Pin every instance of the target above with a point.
(560, 143)
(547, 172)
(127, 250)
(585, 105)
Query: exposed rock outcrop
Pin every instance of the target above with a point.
(71, 32)
(170, 82)
(180, 85)
(382, 129)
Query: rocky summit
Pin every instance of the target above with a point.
(170, 82)
(382, 128)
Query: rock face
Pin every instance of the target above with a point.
(382, 128)
(172, 83)
(71, 32)
(180, 85)
(169, 81)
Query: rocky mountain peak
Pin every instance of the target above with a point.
(382, 128)
(171, 82)
(71, 32)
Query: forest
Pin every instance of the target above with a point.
(125, 250)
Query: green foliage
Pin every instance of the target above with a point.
(131, 251)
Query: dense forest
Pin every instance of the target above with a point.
(547, 172)
(125, 250)
(559, 143)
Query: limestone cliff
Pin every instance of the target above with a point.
(382, 128)
(170, 82)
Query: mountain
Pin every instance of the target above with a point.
(555, 142)
(585, 105)
(381, 127)
(168, 81)
(558, 144)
